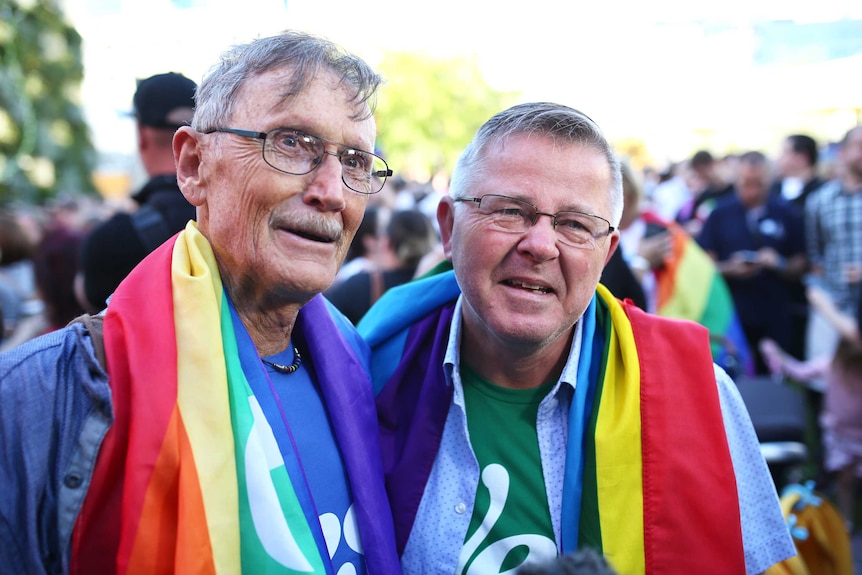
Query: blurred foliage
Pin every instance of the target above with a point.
(429, 109)
(634, 152)
(45, 145)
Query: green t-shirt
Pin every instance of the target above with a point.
(511, 521)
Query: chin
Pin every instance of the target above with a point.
(310, 282)
(526, 333)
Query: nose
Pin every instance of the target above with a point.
(540, 240)
(325, 189)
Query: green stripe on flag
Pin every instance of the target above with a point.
(270, 543)
(589, 529)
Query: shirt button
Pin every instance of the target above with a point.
(73, 480)
(460, 508)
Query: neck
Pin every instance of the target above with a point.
(852, 181)
(806, 174)
(516, 365)
(271, 330)
(269, 321)
(753, 204)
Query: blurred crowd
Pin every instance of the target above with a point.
(772, 232)
(747, 211)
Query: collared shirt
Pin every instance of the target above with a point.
(441, 523)
(833, 231)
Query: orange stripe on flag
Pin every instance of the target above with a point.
(172, 534)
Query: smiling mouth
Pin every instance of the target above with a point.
(529, 287)
(312, 236)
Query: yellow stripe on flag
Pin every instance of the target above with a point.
(696, 269)
(202, 394)
(619, 467)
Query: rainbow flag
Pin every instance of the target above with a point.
(641, 431)
(645, 409)
(691, 287)
(191, 477)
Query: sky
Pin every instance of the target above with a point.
(674, 73)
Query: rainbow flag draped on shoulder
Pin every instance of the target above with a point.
(637, 486)
(691, 287)
(191, 477)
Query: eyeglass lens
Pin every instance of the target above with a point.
(513, 215)
(299, 153)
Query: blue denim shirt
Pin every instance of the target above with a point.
(55, 408)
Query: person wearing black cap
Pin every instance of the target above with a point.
(162, 103)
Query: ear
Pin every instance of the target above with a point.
(614, 244)
(142, 140)
(446, 222)
(187, 155)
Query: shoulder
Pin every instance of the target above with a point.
(676, 328)
(350, 334)
(51, 388)
(170, 202)
(729, 206)
(823, 194)
(62, 361)
(120, 221)
(727, 212)
(346, 290)
(114, 234)
(402, 306)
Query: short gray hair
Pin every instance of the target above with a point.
(305, 54)
(545, 119)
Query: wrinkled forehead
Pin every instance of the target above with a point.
(544, 162)
(279, 89)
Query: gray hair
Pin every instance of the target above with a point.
(305, 54)
(547, 120)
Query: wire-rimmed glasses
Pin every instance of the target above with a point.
(511, 215)
(298, 153)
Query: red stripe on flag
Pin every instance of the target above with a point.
(140, 346)
(691, 508)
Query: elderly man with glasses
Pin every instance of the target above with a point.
(219, 418)
(525, 412)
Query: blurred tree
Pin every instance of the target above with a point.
(45, 145)
(429, 110)
(634, 150)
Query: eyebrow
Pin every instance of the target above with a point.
(580, 208)
(301, 125)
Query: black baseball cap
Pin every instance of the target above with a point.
(165, 101)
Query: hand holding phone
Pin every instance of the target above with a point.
(749, 256)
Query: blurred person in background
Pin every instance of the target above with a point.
(362, 254)
(796, 170)
(708, 189)
(833, 239)
(796, 178)
(407, 238)
(162, 103)
(756, 241)
(671, 192)
(841, 414)
(660, 267)
(833, 234)
(19, 234)
(55, 265)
